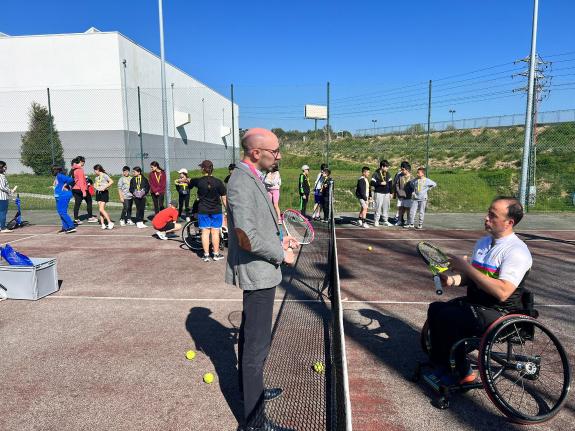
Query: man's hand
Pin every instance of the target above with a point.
(289, 244)
(459, 264)
(304, 197)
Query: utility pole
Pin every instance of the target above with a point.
(452, 111)
(164, 104)
(428, 130)
(529, 110)
(540, 82)
(374, 121)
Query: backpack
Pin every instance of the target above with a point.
(408, 189)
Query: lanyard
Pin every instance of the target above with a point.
(253, 170)
(158, 176)
(138, 182)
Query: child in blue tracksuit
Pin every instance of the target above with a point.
(63, 194)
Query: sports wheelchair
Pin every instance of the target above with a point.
(192, 236)
(524, 369)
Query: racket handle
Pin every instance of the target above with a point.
(438, 286)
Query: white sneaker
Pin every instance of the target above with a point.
(161, 235)
(140, 225)
(419, 227)
(188, 219)
(93, 220)
(103, 227)
(386, 223)
(122, 223)
(359, 223)
(130, 222)
(110, 225)
(365, 225)
(376, 224)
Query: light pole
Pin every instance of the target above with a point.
(452, 111)
(374, 121)
(124, 62)
(164, 104)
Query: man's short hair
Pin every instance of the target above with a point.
(125, 168)
(514, 208)
(405, 165)
(383, 163)
(365, 168)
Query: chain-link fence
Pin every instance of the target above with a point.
(114, 128)
(471, 166)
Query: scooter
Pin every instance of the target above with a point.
(17, 221)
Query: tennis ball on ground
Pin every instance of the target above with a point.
(319, 367)
(190, 354)
(208, 378)
(370, 248)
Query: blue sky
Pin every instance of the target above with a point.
(377, 55)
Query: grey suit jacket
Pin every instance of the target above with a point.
(251, 211)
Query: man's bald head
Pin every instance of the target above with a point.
(259, 138)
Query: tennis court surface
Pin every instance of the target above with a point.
(108, 350)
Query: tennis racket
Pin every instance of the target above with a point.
(436, 260)
(298, 227)
(3, 293)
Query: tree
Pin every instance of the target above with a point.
(40, 148)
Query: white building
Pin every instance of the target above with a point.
(93, 81)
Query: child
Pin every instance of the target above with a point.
(325, 190)
(63, 194)
(157, 186)
(382, 187)
(183, 188)
(362, 193)
(125, 197)
(317, 193)
(102, 184)
(303, 187)
(273, 181)
(401, 180)
(5, 193)
(420, 186)
(165, 221)
(139, 187)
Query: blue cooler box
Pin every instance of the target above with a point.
(30, 282)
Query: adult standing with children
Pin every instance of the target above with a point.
(5, 193)
(255, 255)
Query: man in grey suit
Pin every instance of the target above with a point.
(255, 254)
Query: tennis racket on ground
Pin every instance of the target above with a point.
(298, 227)
(3, 293)
(436, 260)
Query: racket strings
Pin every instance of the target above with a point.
(297, 227)
(433, 255)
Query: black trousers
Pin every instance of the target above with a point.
(126, 210)
(140, 208)
(452, 321)
(253, 348)
(303, 203)
(78, 198)
(158, 202)
(183, 204)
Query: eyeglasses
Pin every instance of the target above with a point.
(274, 153)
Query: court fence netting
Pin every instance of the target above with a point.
(309, 329)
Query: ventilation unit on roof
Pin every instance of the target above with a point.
(92, 30)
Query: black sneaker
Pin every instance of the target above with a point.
(206, 258)
(71, 230)
(218, 256)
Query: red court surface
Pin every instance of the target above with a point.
(387, 293)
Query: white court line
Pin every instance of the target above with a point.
(344, 301)
(441, 239)
(101, 235)
(451, 229)
(21, 239)
(127, 298)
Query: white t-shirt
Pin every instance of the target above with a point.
(508, 258)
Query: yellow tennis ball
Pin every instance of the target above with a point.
(370, 248)
(319, 367)
(190, 354)
(208, 378)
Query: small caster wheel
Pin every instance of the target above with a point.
(441, 403)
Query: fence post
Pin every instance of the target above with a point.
(428, 131)
(140, 134)
(50, 123)
(233, 126)
(328, 142)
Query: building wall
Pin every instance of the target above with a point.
(93, 109)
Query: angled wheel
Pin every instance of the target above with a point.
(191, 236)
(524, 369)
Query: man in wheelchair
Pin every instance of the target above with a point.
(494, 278)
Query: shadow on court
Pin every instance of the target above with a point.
(218, 342)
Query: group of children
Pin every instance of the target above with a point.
(320, 192)
(411, 194)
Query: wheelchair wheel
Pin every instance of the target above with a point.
(524, 369)
(425, 339)
(191, 235)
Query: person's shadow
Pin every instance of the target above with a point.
(217, 342)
